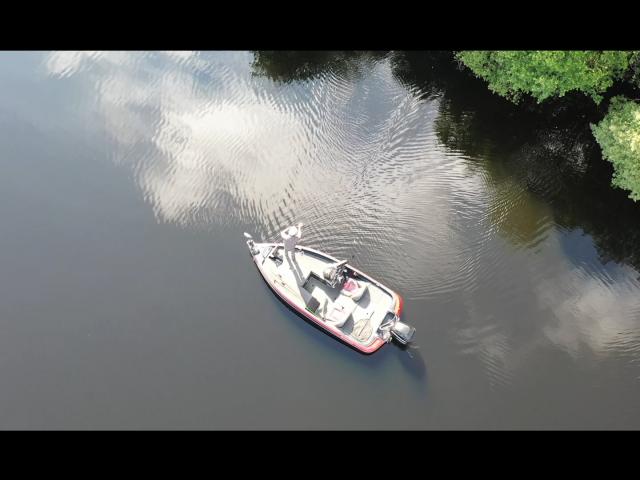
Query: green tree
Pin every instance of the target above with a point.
(545, 74)
(619, 137)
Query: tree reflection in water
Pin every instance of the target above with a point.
(545, 150)
(290, 66)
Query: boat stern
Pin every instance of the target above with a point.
(394, 329)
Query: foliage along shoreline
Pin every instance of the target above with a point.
(544, 75)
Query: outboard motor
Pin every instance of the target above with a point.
(403, 332)
(392, 327)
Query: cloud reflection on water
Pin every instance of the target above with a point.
(357, 158)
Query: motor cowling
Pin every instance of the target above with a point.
(392, 328)
(402, 332)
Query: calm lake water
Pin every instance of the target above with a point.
(128, 298)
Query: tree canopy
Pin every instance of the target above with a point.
(544, 74)
(619, 136)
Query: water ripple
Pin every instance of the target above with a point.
(360, 157)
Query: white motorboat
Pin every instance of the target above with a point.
(342, 301)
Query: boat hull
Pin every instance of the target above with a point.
(374, 346)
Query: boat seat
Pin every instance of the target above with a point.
(340, 311)
(339, 322)
(353, 289)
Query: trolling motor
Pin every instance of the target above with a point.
(251, 244)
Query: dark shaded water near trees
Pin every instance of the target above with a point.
(129, 299)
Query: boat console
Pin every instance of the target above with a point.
(335, 275)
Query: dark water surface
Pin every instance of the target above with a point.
(128, 298)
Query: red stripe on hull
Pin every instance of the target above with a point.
(399, 305)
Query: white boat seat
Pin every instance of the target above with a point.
(354, 289)
(341, 310)
(337, 318)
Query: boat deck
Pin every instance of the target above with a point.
(302, 281)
